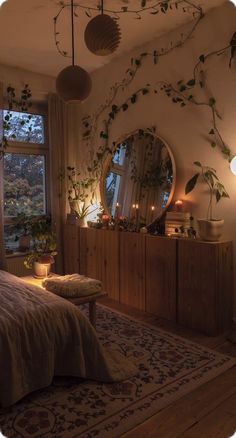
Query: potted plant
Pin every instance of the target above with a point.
(22, 227)
(210, 228)
(80, 195)
(41, 257)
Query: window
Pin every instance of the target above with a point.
(24, 127)
(25, 171)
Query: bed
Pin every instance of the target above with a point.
(42, 335)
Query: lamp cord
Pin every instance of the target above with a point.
(102, 6)
(72, 32)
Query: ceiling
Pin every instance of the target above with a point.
(27, 37)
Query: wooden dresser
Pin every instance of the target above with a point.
(185, 281)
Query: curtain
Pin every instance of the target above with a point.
(58, 164)
(2, 246)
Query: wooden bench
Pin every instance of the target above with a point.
(90, 299)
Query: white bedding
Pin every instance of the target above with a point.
(42, 335)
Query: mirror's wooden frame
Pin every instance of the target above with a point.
(108, 161)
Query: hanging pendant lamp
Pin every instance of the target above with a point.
(102, 34)
(73, 84)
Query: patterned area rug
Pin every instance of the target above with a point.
(168, 367)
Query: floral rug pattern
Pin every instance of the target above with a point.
(168, 367)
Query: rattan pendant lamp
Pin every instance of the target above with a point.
(73, 84)
(102, 34)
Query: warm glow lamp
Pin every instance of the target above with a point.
(2, 1)
(233, 165)
(234, 2)
(102, 34)
(73, 84)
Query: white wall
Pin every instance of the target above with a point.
(40, 85)
(185, 129)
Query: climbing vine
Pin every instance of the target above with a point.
(181, 93)
(20, 103)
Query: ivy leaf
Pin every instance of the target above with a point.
(191, 183)
(233, 48)
(213, 144)
(212, 132)
(202, 58)
(191, 83)
(145, 91)
(114, 108)
(112, 115)
(197, 163)
(212, 101)
(125, 106)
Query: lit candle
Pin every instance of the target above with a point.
(179, 205)
(152, 212)
(133, 212)
(137, 216)
(117, 210)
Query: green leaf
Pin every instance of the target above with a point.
(202, 58)
(191, 82)
(197, 163)
(191, 183)
(212, 101)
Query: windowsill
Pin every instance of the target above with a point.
(16, 254)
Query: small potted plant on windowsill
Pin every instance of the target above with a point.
(41, 257)
(210, 229)
(22, 226)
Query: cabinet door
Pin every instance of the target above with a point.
(99, 258)
(161, 277)
(71, 249)
(132, 270)
(205, 285)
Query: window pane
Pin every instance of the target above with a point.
(24, 184)
(119, 156)
(112, 191)
(23, 127)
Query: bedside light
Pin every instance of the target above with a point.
(233, 161)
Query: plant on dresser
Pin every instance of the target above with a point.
(210, 229)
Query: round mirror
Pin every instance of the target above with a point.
(139, 176)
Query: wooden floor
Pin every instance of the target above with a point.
(207, 412)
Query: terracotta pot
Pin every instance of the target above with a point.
(210, 230)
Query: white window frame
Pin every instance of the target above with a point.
(29, 148)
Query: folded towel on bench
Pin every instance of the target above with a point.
(71, 286)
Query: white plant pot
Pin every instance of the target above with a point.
(210, 230)
(41, 270)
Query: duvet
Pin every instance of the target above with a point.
(42, 335)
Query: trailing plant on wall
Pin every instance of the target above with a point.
(154, 8)
(81, 193)
(20, 103)
(181, 94)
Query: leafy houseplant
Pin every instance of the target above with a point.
(210, 228)
(44, 246)
(80, 193)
